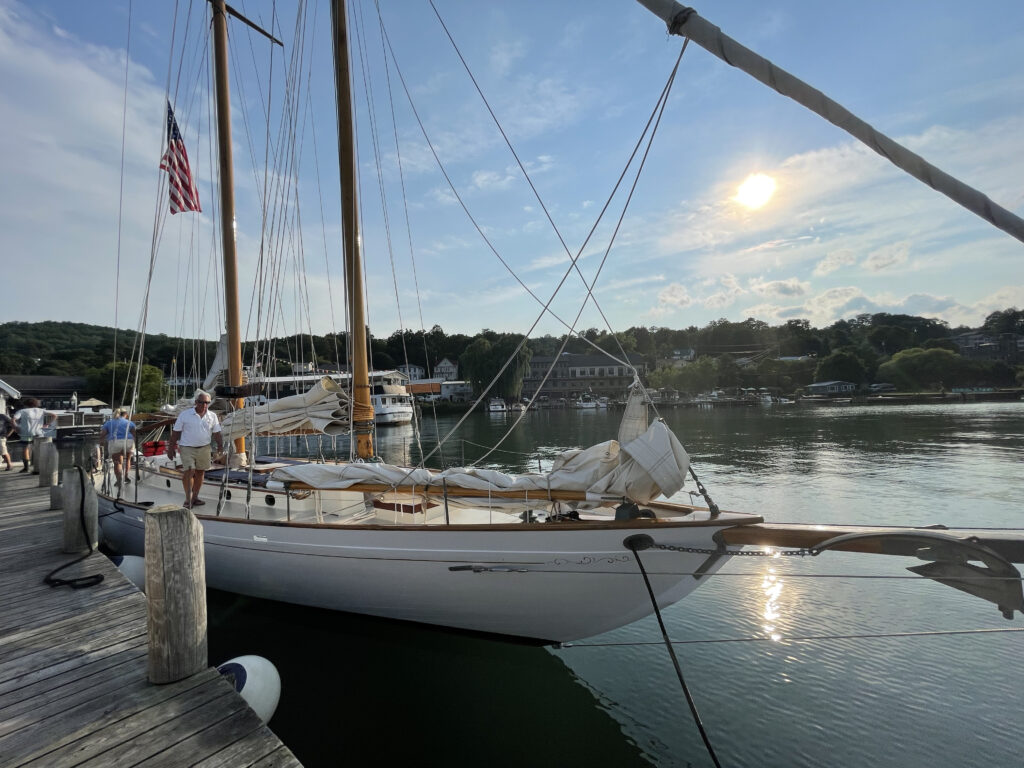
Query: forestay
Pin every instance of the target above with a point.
(652, 465)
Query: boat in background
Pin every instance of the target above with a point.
(392, 405)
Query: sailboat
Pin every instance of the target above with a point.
(549, 556)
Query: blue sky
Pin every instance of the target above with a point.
(573, 84)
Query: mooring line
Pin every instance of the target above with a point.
(803, 638)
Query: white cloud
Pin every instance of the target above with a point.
(674, 295)
(505, 53)
(492, 180)
(887, 256)
(789, 287)
(833, 261)
(731, 291)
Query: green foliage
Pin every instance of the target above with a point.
(71, 349)
(52, 348)
(941, 344)
(917, 369)
(1008, 321)
(483, 360)
(841, 366)
(699, 376)
(119, 378)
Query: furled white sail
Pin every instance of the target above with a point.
(652, 465)
(634, 419)
(218, 366)
(324, 409)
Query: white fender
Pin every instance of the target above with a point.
(258, 682)
(133, 568)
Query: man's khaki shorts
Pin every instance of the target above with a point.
(195, 458)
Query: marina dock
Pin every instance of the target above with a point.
(73, 664)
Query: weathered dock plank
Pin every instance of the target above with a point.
(74, 686)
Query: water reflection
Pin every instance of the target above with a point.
(771, 585)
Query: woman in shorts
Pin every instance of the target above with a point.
(120, 436)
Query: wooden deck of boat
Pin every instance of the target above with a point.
(73, 686)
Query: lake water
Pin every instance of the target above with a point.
(839, 660)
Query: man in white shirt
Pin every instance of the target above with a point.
(194, 429)
(31, 422)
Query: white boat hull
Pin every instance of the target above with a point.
(393, 415)
(543, 581)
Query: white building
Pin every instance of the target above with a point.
(413, 371)
(446, 370)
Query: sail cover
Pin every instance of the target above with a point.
(649, 466)
(324, 409)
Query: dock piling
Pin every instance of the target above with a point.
(46, 461)
(176, 592)
(75, 504)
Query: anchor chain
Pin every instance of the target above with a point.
(802, 552)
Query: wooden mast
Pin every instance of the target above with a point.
(227, 202)
(362, 410)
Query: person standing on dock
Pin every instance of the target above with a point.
(31, 421)
(6, 430)
(194, 429)
(120, 436)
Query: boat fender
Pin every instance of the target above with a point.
(275, 484)
(258, 682)
(630, 511)
(132, 568)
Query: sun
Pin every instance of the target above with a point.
(756, 190)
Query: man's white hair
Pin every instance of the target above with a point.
(199, 393)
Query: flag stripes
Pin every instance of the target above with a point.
(181, 184)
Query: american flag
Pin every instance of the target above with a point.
(181, 184)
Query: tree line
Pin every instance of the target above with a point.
(909, 351)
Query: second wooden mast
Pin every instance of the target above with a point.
(362, 407)
(227, 193)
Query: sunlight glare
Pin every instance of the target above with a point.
(755, 191)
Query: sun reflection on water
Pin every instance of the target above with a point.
(771, 585)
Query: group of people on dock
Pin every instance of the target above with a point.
(192, 435)
(31, 423)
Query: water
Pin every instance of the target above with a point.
(837, 660)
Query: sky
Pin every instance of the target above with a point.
(87, 237)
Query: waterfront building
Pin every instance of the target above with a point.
(575, 374)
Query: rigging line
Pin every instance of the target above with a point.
(546, 308)
(476, 225)
(479, 230)
(408, 226)
(663, 100)
(659, 111)
(120, 194)
(806, 638)
(375, 136)
(636, 543)
(323, 222)
(788, 575)
(375, 142)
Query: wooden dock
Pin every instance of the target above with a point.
(73, 665)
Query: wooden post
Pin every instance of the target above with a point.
(75, 539)
(47, 462)
(37, 445)
(176, 592)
